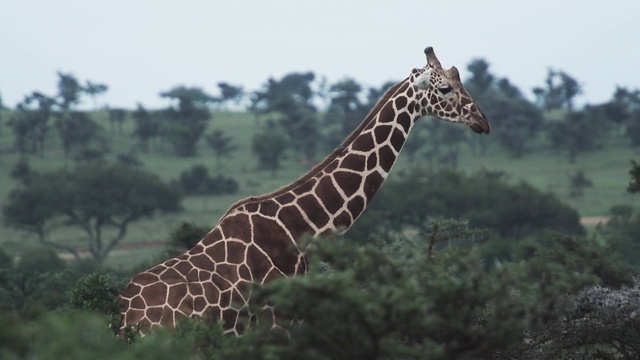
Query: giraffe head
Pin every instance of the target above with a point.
(443, 95)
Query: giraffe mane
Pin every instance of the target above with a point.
(336, 152)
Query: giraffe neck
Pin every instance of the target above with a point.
(367, 157)
(332, 195)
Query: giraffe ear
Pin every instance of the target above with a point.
(423, 80)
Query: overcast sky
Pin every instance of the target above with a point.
(140, 48)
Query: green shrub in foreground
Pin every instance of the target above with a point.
(401, 299)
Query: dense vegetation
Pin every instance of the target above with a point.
(492, 261)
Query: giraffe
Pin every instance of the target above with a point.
(256, 240)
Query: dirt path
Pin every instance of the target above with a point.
(127, 248)
(121, 249)
(593, 220)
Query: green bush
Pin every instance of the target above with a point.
(99, 293)
(622, 234)
(197, 181)
(185, 236)
(407, 300)
(432, 297)
(36, 280)
(486, 199)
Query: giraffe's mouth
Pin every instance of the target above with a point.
(479, 123)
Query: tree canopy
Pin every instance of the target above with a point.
(101, 199)
(186, 122)
(486, 199)
(291, 98)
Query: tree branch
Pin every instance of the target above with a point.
(44, 241)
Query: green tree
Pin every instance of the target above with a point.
(515, 120)
(269, 146)
(633, 131)
(634, 184)
(622, 231)
(290, 100)
(101, 199)
(430, 298)
(99, 292)
(405, 301)
(485, 199)
(79, 133)
(186, 122)
(221, 144)
(46, 191)
(185, 236)
(38, 279)
(196, 181)
(116, 118)
(69, 90)
(624, 110)
(229, 93)
(22, 171)
(94, 89)
(559, 92)
(578, 182)
(481, 80)
(575, 134)
(622, 234)
(345, 110)
(30, 123)
(147, 127)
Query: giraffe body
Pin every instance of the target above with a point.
(257, 239)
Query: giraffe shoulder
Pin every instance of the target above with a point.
(240, 203)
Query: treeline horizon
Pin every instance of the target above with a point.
(314, 115)
(236, 92)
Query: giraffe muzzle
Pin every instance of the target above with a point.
(479, 123)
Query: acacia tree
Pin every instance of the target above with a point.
(30, 123)
(79, 133)
(116, 118)
(221, 144)
(559, 91)
(346, 110)
(634, 184)
(100, 199)
(147, 127)
(575, 132)
(93, 90)
(269, 147)
(516, 120)
(69, 90)
(229, 93)
(624, 110)
(481, 79)
(186, 122)
(290, 100)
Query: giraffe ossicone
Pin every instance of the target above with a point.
(256, 240)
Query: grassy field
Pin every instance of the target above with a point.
(606, 168)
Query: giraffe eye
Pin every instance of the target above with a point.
(445, 89)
